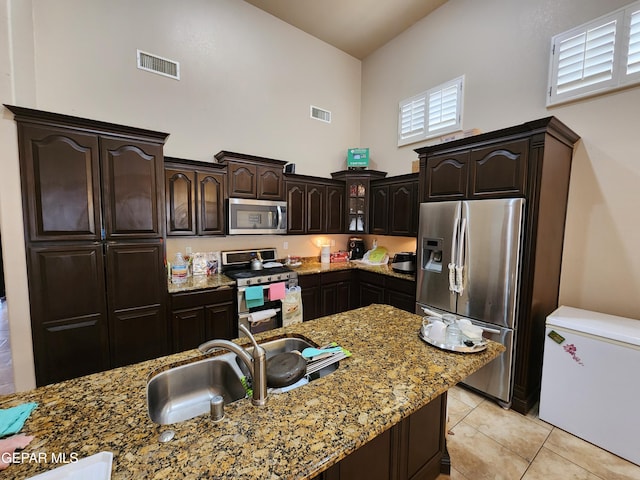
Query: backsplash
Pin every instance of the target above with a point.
(298, 245)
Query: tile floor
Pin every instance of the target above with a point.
(6, 366)
(487, 442)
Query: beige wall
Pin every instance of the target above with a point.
(247, 81)
(502, 48)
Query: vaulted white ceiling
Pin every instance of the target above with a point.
(357, 27)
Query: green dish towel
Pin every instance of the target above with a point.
(254, 296)
(12, 419)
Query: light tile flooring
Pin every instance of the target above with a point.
(6, 366)
(487, 442)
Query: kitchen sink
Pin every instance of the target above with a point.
(185, 391)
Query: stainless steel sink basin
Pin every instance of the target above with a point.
(185, 391)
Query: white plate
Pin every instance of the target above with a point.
(95, 467)
(294, 264)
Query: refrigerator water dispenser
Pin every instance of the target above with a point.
(432, 254)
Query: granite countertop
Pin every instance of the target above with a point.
(309, 266)
(391, 374)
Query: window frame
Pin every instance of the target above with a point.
(618, 58)
(423, 129)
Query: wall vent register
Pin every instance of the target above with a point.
(155, 64)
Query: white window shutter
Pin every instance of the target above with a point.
(412, 117)
(443, 108)
(633, 50)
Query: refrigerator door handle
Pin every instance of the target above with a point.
(461, 259)
(453, 287)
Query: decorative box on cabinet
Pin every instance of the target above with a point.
(249, 176)
(357, 196)
(92, 196)
(533, 161)
(314, 205)
(195, 196)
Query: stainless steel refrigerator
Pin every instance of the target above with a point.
(469, 265)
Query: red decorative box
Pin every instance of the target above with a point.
(337, 257)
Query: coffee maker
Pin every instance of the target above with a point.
(355, 246)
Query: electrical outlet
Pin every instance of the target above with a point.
(285, 245)
(187, 250)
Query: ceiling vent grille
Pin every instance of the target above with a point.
(320, 114)
(159, 65)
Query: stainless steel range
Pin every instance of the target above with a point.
(260, 281)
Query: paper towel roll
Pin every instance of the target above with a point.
(262, 315)
(325, 254)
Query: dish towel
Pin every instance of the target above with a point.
(276, 291)
(12, 419)
(254, 297)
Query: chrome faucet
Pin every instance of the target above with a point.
(256, 363)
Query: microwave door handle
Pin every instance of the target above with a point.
(452, 265)
(279, 217)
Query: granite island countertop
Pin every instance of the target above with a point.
(391, 374)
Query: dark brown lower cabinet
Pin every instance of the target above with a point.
(202, 315)
(377, 288)
(327, 293)
(414, 449)
(68, 311)
(136, 292)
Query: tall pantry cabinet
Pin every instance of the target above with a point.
(94, 228)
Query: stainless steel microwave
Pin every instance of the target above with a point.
(249, 217)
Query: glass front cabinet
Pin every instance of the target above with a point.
(357, 183)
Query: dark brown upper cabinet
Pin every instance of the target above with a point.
(314, 205)
(249, 176)
(93, 205)
(195, 197)
(394, 205)
(357, 198)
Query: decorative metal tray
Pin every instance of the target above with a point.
(477, 347)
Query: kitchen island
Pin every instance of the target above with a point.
(391, 375)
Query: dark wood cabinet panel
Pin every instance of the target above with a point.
(131, 173)
(414, 449)
(180, 199)
(336, 292)
(380, 209)
(335, 209)
(210, 203)
(314, 205)
(242, 181)
(446, 177)
(400, 293)
(316, 200)
(69, 320)
(136, 290)
(61, 186)
(200, 316)
(195, 197)
(296, 208)
(498, 170)
(310, 286)
(394, 206)
(270, 183)
(249, 176)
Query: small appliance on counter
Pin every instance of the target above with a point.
(404, 262)
(355, 247)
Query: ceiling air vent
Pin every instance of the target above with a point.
(320, 114)
(159, 65)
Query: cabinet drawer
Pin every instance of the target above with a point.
(373, 278)
(336, 277)
(200, 298)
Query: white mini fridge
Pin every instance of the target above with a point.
(590, 379)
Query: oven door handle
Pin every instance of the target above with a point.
(247, 315)
(264, 287)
